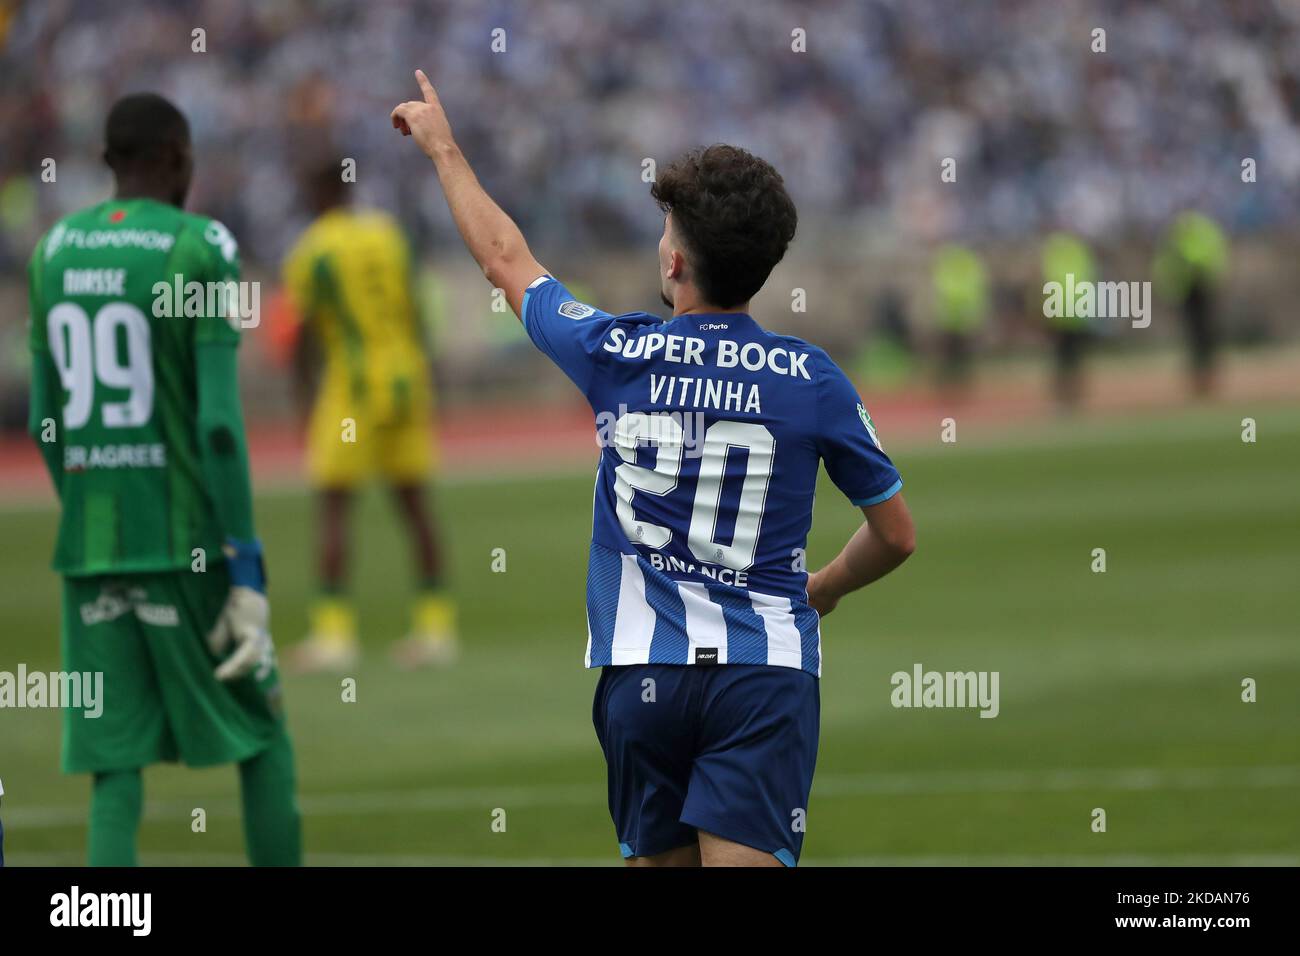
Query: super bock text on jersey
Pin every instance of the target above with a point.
(712, 430)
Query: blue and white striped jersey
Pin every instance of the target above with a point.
(711, 432)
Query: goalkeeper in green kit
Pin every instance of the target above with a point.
(135, 407)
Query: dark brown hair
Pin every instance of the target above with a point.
(734, 216)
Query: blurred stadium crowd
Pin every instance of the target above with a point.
(560, 122)
(559, 104)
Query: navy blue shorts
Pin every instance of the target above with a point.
(728, 749)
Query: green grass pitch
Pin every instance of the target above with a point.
(1119, 691)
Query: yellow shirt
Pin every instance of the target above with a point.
(349, 277)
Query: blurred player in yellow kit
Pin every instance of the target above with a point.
(349, 284)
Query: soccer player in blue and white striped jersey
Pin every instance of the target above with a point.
(699, 610)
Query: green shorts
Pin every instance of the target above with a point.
(146, 633)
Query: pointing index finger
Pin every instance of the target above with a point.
(426, 87)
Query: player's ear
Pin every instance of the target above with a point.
(676, 264)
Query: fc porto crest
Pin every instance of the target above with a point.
(576, 310)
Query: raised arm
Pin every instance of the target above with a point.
(491, 236)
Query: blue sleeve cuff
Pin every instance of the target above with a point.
(244, 564)
(883, 496)
(523, 306)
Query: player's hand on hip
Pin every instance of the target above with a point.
(820, 598)
(244, 626)
(426, 120)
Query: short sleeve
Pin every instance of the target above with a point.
(207, 252)
(568, 331)
(848, 444)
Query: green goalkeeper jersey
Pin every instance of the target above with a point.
(120, 348)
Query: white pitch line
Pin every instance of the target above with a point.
(832, 786)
